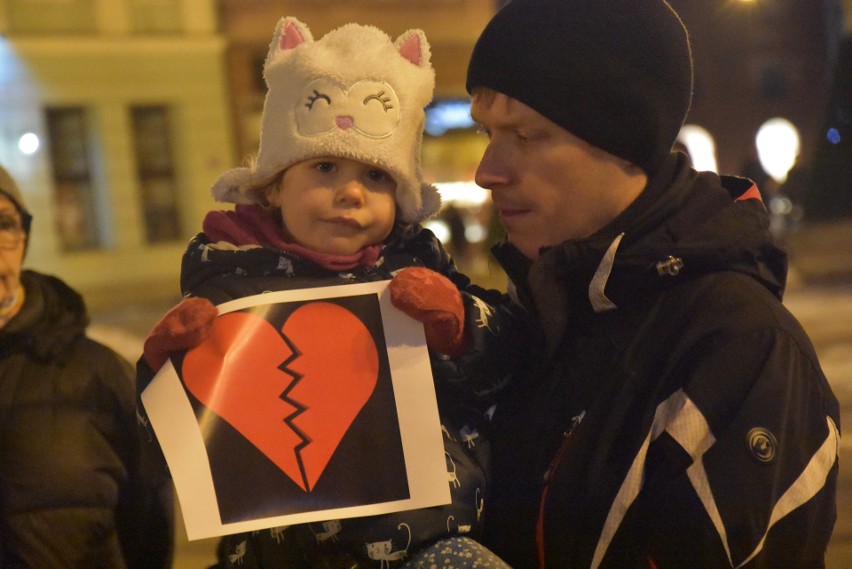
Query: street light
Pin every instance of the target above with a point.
(778, 147)
(28, 143)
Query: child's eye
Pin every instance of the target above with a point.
(381, 98)
(325, 167)
(316, 97)
(378, 175)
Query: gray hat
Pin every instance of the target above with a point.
(9, 188)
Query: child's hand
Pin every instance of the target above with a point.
(432, 299)
(183, 327)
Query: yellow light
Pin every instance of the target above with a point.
(701, 147)
(466, 194)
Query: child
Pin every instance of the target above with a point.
(335, 197)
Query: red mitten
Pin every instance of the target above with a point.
(183, 327)
(432, 299)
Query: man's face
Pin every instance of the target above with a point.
(547, 185)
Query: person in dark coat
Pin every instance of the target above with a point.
(76, 490)
(673, 413)
(336, 200)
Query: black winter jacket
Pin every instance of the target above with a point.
(75, 490)
(674, 414)
(465, 388)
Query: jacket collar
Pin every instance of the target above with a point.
(683, 224)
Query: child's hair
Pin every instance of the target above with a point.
(261, 192)
(354, 94)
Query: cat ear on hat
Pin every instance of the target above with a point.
(289, 33)
(413, 46)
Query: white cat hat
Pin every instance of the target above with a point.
(353, 94)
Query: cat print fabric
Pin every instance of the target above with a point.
(387, 541)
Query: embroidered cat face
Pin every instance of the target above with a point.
(371, 108)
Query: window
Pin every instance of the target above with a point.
(155, 172)
(76, 216)
(74, 193)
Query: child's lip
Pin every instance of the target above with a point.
(347, 221)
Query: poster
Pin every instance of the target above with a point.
(302, 406)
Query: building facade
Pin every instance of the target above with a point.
(755, 61)
(113, 119)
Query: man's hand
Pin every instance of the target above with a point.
(432, 299)
(183, 327)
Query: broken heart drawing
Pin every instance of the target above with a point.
(292, 392)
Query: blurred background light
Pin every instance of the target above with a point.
(778, 147)
(465, 194)
(475, 232)
(833, 136)
(28, 143)
(448, 114)
(700, 146)
(440, 228)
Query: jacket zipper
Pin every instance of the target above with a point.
(539, 526)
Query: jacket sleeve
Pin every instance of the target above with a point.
(760, 427)
(497, 348)
(496, 328)
(145, 519)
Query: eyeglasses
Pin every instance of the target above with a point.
(11, 231)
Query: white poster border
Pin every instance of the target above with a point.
(174, 422)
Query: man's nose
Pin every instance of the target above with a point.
(491, 171)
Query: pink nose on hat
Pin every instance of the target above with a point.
(344, 122)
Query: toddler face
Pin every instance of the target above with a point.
(336, 205)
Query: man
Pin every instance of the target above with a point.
(674, 413)
(75, 491)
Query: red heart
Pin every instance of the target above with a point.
(295, 414)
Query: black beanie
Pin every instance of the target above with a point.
(615, 73)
